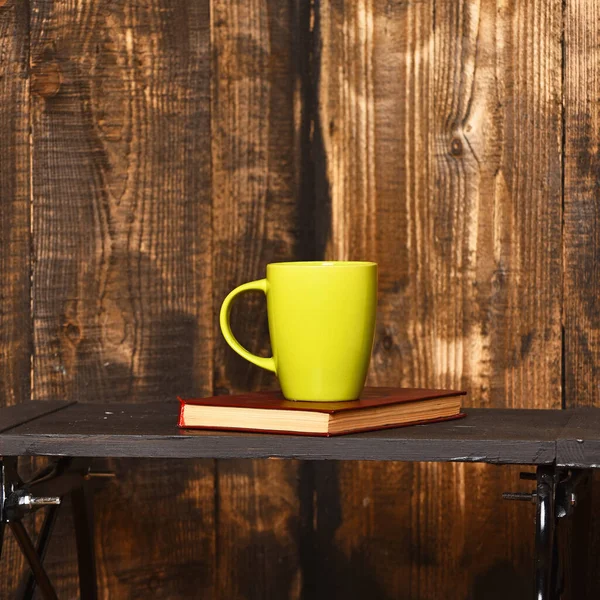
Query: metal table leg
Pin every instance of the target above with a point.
(84, 534)
(46, 490)
(33, 559)
(554, 498)
(545, 522)
(4, 490)
(28, 586)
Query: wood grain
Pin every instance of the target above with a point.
(424, 135)
(581, 212)
(442, 130)
(122, 287)
(255, 221)
(128, 430)
(24, 412)
(581, 233)
(15, 239)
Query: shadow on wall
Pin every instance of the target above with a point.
(119, 344)
(328, 571)
(331, 570)
(173, 366)
(502, 581)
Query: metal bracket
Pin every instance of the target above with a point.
(48, 488)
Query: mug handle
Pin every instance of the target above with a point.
(261, 286)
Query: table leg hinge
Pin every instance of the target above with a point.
(65, 477)
(564, 490)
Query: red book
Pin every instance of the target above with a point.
(377, 408)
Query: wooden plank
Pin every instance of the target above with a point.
(15, 321)
(574, 537)
(581, 233)
(441, 126)
(582, 181)
(255, 221)
(23, 413)
(15, 242)
(578, 447)
(122, 241)
(148, 431)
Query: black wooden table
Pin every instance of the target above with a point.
(563, 445)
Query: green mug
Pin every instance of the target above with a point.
(321, 325)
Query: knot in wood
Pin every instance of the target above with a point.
(388, 341)
(456, 147)
(73, 333)
(46, 79)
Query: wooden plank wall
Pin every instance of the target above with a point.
(581, 238)
(15, 239)
(442, 131)
(254, 181)
(158, 153)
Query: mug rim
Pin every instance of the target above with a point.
(323, 264)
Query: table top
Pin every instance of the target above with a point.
(578, 444)
(517, 436)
